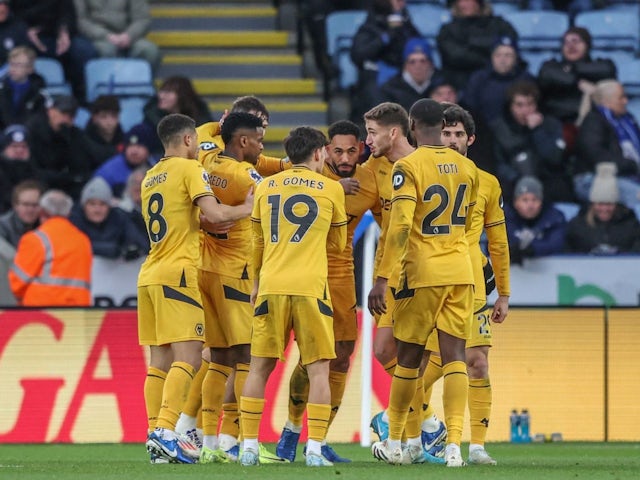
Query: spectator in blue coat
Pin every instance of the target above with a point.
(137, 153)
(111, 231)
(534, 228)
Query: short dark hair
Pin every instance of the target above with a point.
(525, 88)
(427, 112)
(249, 103)
(302, 142)
(389, 114)
(25, 185)
(237, 121)
(171, 126)
(105, 103)
(344, 127)
(455, 114)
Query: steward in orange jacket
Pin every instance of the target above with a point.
(52, 266)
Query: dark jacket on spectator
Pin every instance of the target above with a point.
(539, 152)
(549, 227)
(106, 150)
(397, 90)
(597, 142)
(12, 172)
(13, 32)
(621, 232)
(49, 15)
(465, 45)
(558, 82)
(65, 159)
(116, 237)
(31, 103)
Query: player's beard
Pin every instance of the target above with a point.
(343, 173)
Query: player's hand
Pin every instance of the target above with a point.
(254, 294)
(248, 201)
(351, 186)
(215, 228)
(500, 309)
(376, 300)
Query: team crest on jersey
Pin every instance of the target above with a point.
(398, 180)
(255, 176)
(206, 146)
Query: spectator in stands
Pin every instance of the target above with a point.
(176, 95)
(572, 7)
(23, 218)
(526, 142)
(52, 266)
(111, 231)
(117, 28)
(609, 133)
(104, 126)
(443, 92)
(21, 93)
(417, 75)
(378, 48)
(16, 164)
(465, 43)
(534, 227)
(137, 153)
(13, 31)
(52, 31)
(604, 227)
(567, 84)
(63, 154)
(131, 202)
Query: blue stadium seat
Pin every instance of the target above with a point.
(51, 70)
(636, 210)
(629, 76)
(633, 107)
(568, 209)
(500, 8)
(428, 18)
(535, 60)
(81, 118)
(131, 112)
(613, 29)
(341, 26)
(539, 30)
(124, 77)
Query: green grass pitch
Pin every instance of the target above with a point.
(565, 460)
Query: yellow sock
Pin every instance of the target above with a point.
(199, 418)
(403, 389)
(431, 375)
(318, 420)
(337, 384)
(454, 398)
(230, 420)
(250, 415)
(194, 399)
(153, 386)
(242, 372)
(390, 366)
(212, 395)
(298, 394)
(174, 394)
(413, 426)
(479, 408)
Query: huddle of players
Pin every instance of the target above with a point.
(300, 277)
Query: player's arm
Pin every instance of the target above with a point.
(376, 301)
(496, 230)
(337, 235)
(473, 196)
(269, 165)
(257, 253)
(215, 212)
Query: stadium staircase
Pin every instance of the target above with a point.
(235, 48)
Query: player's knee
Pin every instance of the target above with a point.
(478, 366)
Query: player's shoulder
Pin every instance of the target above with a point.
(488, 179)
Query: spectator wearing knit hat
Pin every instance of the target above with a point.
(605, 226)
(104, 126)
(111, 231)
(137, 153)
(534, 228)
(417, 77)
(16, 164)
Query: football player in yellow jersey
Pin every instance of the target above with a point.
(170, 314)
(458, 134)
(225, 275)
(435, 189)
(299, 216)
(343, 153)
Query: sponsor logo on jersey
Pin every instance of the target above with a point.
(206, 146)
(398, 180)
(255, 176)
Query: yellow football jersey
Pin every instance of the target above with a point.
(169, 191)
(211, 145)
(341, 264)
(381, 167)
(434, 191)
(229, 254)
(299, 215)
